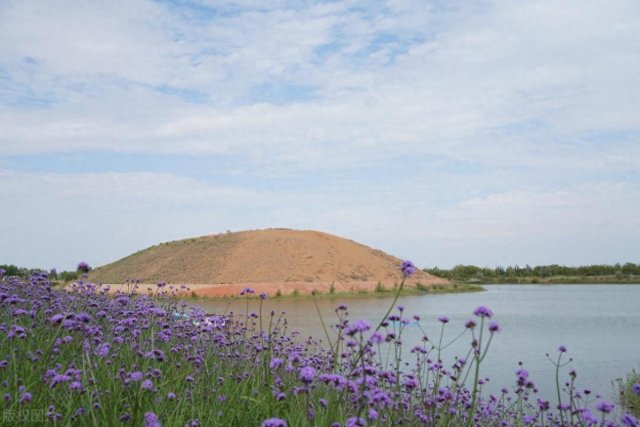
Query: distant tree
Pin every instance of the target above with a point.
(68, 276)
(10, 269)
(629, 268)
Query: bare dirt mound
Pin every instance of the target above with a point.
(274, 258)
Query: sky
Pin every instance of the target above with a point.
(469, 132)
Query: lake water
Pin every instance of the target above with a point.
(599, 324)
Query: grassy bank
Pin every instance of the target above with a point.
(561, 280)
(376, 293)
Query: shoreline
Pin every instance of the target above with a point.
(577, 280)
(282, 291)
(466, 288)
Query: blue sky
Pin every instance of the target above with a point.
(491, 133)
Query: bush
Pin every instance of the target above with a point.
(421, 287)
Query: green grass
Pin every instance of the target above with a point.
(354, 293)
(626, 397)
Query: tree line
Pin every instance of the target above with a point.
(25, 273)
(502, 274)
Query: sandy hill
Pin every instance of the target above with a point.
(273, 256)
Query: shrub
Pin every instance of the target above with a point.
(421, 287)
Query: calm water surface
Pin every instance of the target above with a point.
(599, 324)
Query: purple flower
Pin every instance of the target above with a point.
(307, 374)
(629, 420)
(494, 327)
(83, 267)
(588, 417)
(56, 318)
(263, 295)
(103, 350)
(376, 338)
(75, 386)
(151, 420)
(26, 398)
(355, 422)
(57, 379)
(522, 374)
(372, 414)
(483, 311)
(443, 319)
(275, 363)
(407, 268)
(358, 326)
(470, 324)
(605, 407)
(171, 396)
(247, 291)
(147, 385)
(135, 376)
(274, 422)
(636, 388)
(562, 349)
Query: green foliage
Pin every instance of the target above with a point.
(421, 287)
(626, 397)
(295, 293)
(68, 276)
(25, 273)
(537, 274)
(11, 270)
(379, 287)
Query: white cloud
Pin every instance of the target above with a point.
(532, 106)
(602, 208)
(500, 81)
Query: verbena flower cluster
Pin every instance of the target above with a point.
(89, 357)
